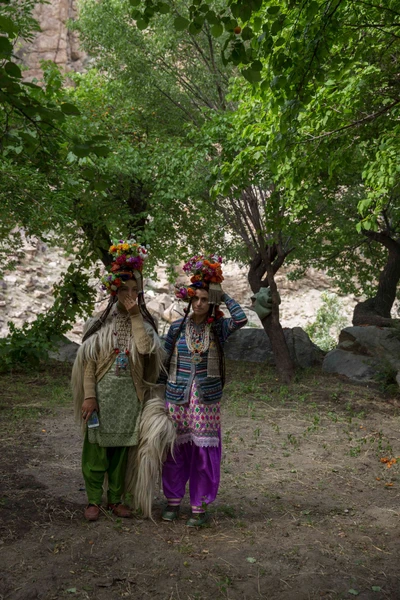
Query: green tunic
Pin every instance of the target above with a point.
(119, 411)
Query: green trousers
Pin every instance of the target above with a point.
(96, 462)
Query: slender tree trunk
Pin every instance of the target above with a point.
(283, 361)
(272, 326)
(377, 310)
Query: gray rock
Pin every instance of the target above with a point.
(305, 353)
(253, 345)
(357, 367)
(249, 344)
(155, 308)
(364, 352)
(65, 351)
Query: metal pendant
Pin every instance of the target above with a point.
(121, 362)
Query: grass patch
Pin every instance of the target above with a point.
(315, 403)
(28, 395)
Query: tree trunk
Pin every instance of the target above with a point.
(376, 311)
(274, 331)
(272, 326)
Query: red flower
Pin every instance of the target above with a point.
(127, 352)
(116, 350)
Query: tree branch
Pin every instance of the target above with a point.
(354, 123)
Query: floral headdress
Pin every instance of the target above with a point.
(129, 258)
(206, 273)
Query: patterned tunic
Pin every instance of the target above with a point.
(196, 422)
(119, 411)
(193, 402)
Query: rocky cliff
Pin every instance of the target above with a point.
(54, 42)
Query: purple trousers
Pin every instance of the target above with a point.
(200, 466)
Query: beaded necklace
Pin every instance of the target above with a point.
(122, 335)
(197, 340)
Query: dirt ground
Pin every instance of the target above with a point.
(308, 505)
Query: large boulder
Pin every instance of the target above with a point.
(364, 352)
(65, 350)
(158, 304)
(253, 345)
(173, 312)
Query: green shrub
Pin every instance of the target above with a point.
(329, 321)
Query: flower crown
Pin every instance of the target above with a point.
(129, 256)
(206, 273)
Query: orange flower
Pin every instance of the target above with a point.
(195, 278)
(191, 292)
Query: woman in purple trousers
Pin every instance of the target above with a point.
(194, 382)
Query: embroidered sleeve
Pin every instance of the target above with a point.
(237, 320)
(143, 340)
(89, 380)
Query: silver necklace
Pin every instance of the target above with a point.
(197, 340)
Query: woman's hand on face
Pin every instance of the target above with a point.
(131, 306)
(89, 405)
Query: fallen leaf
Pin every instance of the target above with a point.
(376, 588)
(250, 559)
(353, 592)
(71, 591)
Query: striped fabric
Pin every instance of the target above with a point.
(210, 387)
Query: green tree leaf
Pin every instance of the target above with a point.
(217, 30)
(13, 70)
(142, 23)
(180, 23)
(5, 47)
(252, 75)
(70, 109)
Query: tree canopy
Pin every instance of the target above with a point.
(265, 131)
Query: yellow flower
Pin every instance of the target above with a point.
(125, 247)
(113, 248)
